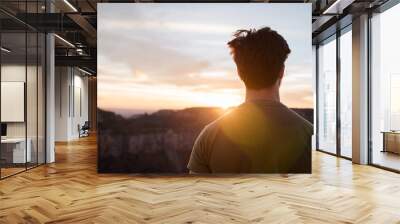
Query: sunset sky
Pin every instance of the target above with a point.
(173, 56)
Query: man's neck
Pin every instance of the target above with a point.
(270, 94)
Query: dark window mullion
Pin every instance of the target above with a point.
(37, 91)
(0, 94)
(369, 90)
(26, 87)
(338, 81)
(317, 96)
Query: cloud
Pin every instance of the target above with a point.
(149, 56)
(174, 57)
(300, 98)
(169, 26)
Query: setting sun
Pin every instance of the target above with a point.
(222, 100)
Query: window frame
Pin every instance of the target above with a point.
(371, 13)
(333, 37)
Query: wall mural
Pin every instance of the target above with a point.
(167, 76)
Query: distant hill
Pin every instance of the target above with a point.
(155, 142)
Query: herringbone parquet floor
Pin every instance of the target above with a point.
(70, 191)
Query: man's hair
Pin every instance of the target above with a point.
(259, 56)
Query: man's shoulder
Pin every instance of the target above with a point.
(210, 129)
(300, 120)
(213, 126)
(234, 119)
(286, 116)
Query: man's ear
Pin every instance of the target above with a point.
(282, 72)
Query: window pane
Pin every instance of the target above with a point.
(346, 94)
(386, 89)
(327, 97)
(41, 98)
(13, 86)
(31, 97)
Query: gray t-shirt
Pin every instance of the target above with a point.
(255, 137)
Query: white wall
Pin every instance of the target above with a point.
(13, 73)
(16, 73)
(71, 102)
(62, 82)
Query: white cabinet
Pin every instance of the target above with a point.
(19, 155)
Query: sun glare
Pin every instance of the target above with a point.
(225, 101)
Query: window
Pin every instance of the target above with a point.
(385, 89)
(346, 93)
(327, 96)
(22, 88)
(13, 147)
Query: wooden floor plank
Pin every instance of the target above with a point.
(71, 191)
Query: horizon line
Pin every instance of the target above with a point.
(166, 109)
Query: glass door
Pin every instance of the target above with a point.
(22, 77)
(14, 155)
